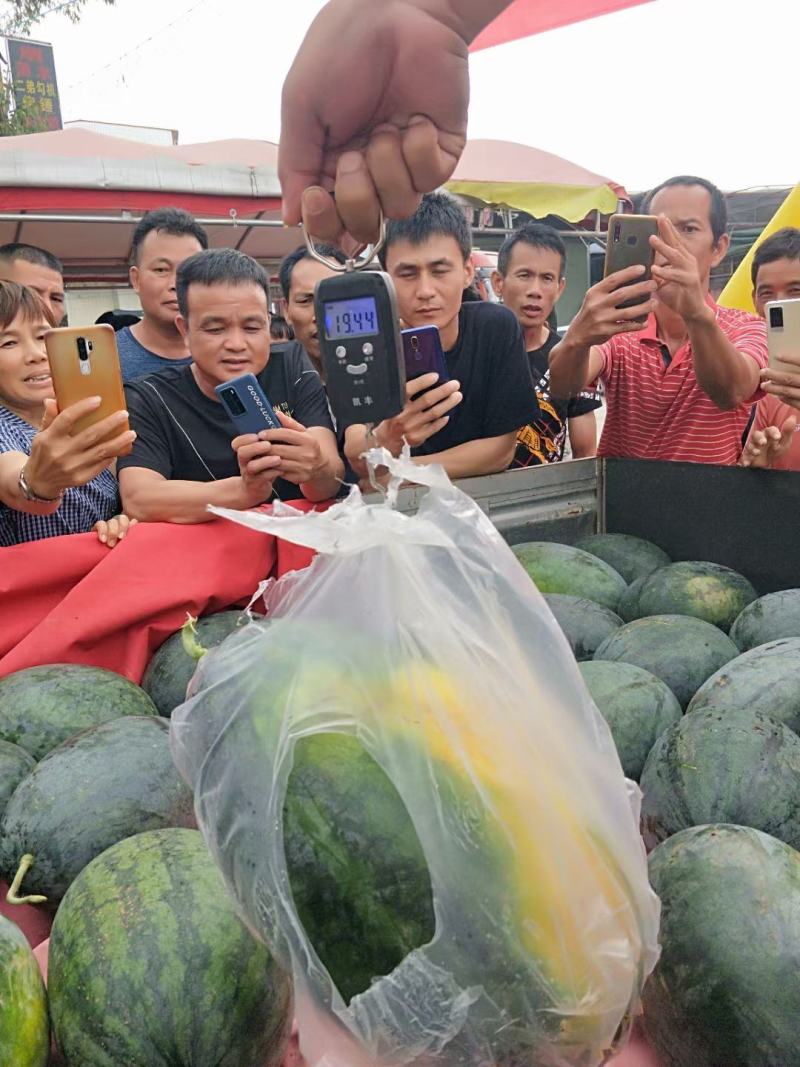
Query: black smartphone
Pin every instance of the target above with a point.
(422, 348)
(247, 405)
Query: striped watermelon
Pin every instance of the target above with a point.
(24, 1028)
(15, 763)
(151, 967)
(632, 557)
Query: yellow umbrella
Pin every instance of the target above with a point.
(738, 292)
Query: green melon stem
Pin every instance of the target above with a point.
(12, 896)
(191, 646)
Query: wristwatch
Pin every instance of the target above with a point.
(29, 494)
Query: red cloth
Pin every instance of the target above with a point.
(72, 600)
(34, 922)
(523, 18)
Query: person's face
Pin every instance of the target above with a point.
(227, 332)
(429, 279)
(779, 280)
(532, 284)
(153, 276)
(688, 207)
(25, 381)
(300, 308)
(45, 282)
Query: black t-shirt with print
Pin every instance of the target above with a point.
(489, 361)
(543, 438)
(185, 436)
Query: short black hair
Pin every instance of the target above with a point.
(279, 329)
(31, 254)
(218, 266)
(783, 244)
(438, 214)
(172, 220)
(286, 269)
(719, 207)
(537, 235)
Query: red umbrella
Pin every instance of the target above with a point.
(526, 17)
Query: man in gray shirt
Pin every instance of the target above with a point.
(162, 240)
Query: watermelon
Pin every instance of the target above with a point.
(563, 569)
(632, 557)
(171, 668)
(765, 679)
(334, 842)
(769, 618)
(727, 766)
(681, 651)
(107, 783)
(637, 706)
(24, 1026)
(42, 706)
(725, 992)
(701, 590)
(585, 624)
(628, 609)
(150, 965)
(15, 763)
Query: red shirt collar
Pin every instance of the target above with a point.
(650, 332)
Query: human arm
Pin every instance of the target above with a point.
(725, 374)
(150, 497)
(582, 431)
(765, 446)
(576, 360)
(358, 119)
(490, 455)
(306, 456)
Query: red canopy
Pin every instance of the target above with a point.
(526, 17)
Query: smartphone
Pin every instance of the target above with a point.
(247, 406)
(84, 362)
(424, 354)
(783, 334)
(628, 245)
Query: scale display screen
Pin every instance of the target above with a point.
(351, 318)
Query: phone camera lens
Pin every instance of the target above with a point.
(233, 401)
(83, 350)
(776, 318)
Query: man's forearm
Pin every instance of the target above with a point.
(326, 485)
(569, 368)
(183, 502)
(475, 458)
(727, 376)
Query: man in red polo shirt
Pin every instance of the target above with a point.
(680, 385)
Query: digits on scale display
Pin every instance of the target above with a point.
(351, 318)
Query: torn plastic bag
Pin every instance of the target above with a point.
(415, 802)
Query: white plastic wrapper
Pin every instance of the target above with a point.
(422, 638)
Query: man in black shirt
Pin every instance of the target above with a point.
(299, 274)
(184, 457)
(468, 425)
(529, 280)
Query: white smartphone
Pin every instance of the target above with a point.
(783, 334)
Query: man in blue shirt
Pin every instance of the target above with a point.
(162, 240)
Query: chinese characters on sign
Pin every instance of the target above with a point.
(33, 75)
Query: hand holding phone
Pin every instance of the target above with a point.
(246, 405)
(628, 246)
(783, 335)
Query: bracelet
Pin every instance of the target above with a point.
(29, 494)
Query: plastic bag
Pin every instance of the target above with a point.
(422, 639)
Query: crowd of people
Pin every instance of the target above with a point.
(682, 378)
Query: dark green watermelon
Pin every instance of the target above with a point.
(563, 569)
(171, 668)
(700, 590)
(637, 706)
(151, 967)
(727, 766)
(585, 624)
(24, 1026)
(683, 652)
(632, 557)
(15, 763)
(725, 992)
(628, 609)
(107, 783)
(765, 679)
(40, 707)
(769, 618)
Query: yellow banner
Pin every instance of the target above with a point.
(570, 202)
(738, 293)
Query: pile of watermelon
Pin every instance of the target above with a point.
(148, 963)
(699, 680)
